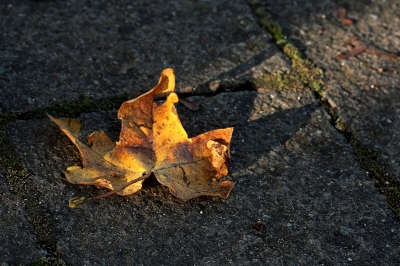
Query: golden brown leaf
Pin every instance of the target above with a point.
(152, 140)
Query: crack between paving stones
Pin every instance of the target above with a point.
(85, 104)
(19, 179)
(387, 183)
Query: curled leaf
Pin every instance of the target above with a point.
(152, 141)
(358, 48)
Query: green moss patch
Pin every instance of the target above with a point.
(304, 74)
(300, 79)
(51, 261)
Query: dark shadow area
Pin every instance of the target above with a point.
(224, 83)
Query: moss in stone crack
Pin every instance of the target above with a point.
(300, 79)
(6, 117)
(279, 81)
(387, 183)
(304, 75)
(367, 158)
(266, 21)
(19, 180)
(272, 27)
(50, 261)
(293, 53)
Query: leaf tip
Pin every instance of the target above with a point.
(75, 202)
(226, 188)
(166, 82)
(51, 118)
(167, 71)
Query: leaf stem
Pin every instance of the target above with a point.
(75, 202)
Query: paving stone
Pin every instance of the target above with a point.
(294, 173)
(60, 50)
(17, 241)
(366, 99)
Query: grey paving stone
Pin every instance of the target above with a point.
(366, 99)
(59, 50)
(294, 173)
(17, 241)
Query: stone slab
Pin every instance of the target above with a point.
(60, 50)
(294, 173)
(17, 241)
(366, 99)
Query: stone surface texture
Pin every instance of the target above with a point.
(59, 50)
(18, 243)
(292, 169)
(365, 98)
(295, 174)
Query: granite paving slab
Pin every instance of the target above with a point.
(366, 98)
(52, 51)
(295, 175)
(300, 196)
(18, 244)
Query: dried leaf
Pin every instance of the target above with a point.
(360, 47)
(393, 69)
(152, 140)
(342, 16)
(258, 226)
(380, 52)
(189, 105)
